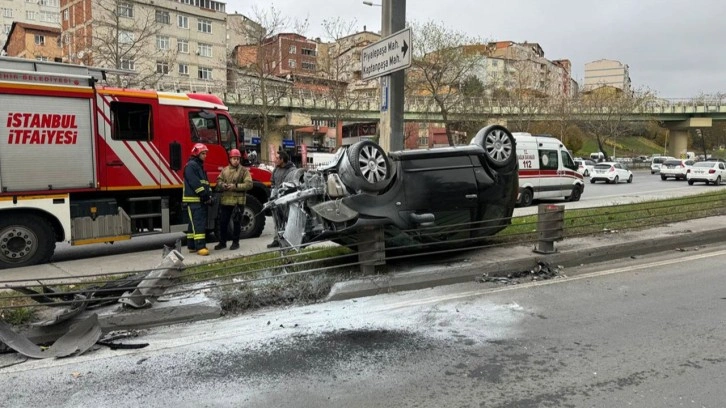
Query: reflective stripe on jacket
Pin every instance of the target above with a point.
(241, 179)
(196, 184)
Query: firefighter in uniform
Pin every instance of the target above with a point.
(233, 182)
(197, 198)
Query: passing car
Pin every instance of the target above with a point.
(449, 196)
(611, 172)
(707, 171)
(657, 162)
(585, 167)
(675, 168)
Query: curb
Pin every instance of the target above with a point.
(467, 271)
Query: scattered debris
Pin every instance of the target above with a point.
(542, 271)
(81, 337)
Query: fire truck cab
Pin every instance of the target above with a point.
(85, 163)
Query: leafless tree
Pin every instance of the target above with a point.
(125, 38)
(254, 68)
(442, 58)
(606, 113)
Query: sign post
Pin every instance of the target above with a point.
(386, 56)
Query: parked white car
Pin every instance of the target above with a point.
(610, 172)
(675, 168)
(708, 172)
(585, 167)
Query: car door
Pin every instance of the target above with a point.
(621, 171)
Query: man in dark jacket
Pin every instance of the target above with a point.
(283, 167)
(196, 200)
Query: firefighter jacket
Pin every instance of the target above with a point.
(241, 181)
(196, 184)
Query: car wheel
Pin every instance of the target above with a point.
(295, 176)
(592, 181)
(718, 181)
(587, 173)
(498, 143)
(690, 182)
(368, 168)
(617, 180)
(630, 179)
(576, 193)
(25, 240)
(526, 198)
(662, 177)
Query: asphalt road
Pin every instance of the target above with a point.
(646, 332)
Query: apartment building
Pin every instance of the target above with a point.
(32, 41)
(170, 44)
(41, 12)
(606, 72)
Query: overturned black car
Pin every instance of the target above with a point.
(450, 196)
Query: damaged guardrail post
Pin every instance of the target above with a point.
(371, 249)
(550, 227)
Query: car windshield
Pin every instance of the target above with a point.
(704, 164)
(602, 166)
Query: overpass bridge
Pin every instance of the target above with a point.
(678, 115)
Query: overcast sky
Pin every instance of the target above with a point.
(675, 48)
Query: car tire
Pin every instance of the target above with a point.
(526, 198)
(587, 173)
(498, 143)
(630, 179)
(592, 181)
(617, 180)
(295, 176)
(576, 193)
(690, 182)
(25, 233)
(718, 181)
(662, 177)
(368, 168)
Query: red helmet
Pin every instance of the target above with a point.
(199, 148)
(234, 153)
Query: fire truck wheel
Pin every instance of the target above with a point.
(25, 240)
(253, 219)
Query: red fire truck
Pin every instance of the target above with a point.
(84, 163)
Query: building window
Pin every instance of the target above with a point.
(182, 21)
(162, 42)
(50, 3)
(128, 64)
(204, 26)
(309, 66)
(125, 37)
(182, 46)
(162, 67)
(293, 49)
(30, 15)
(41, 58)
(65, 15)
(49, 17)
(39, 39)
(309, 51)
(184, 69)
(6, 29)
(126, 10)
(291, 63)
(163, 17)
(205, 50)
(8, 12)
(205, 73)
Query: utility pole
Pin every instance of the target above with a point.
(393, 19)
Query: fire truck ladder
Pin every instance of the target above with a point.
(26, 65)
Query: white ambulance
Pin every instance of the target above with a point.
(546, 170)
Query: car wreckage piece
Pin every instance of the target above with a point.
(450, 196)
(81, 337)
